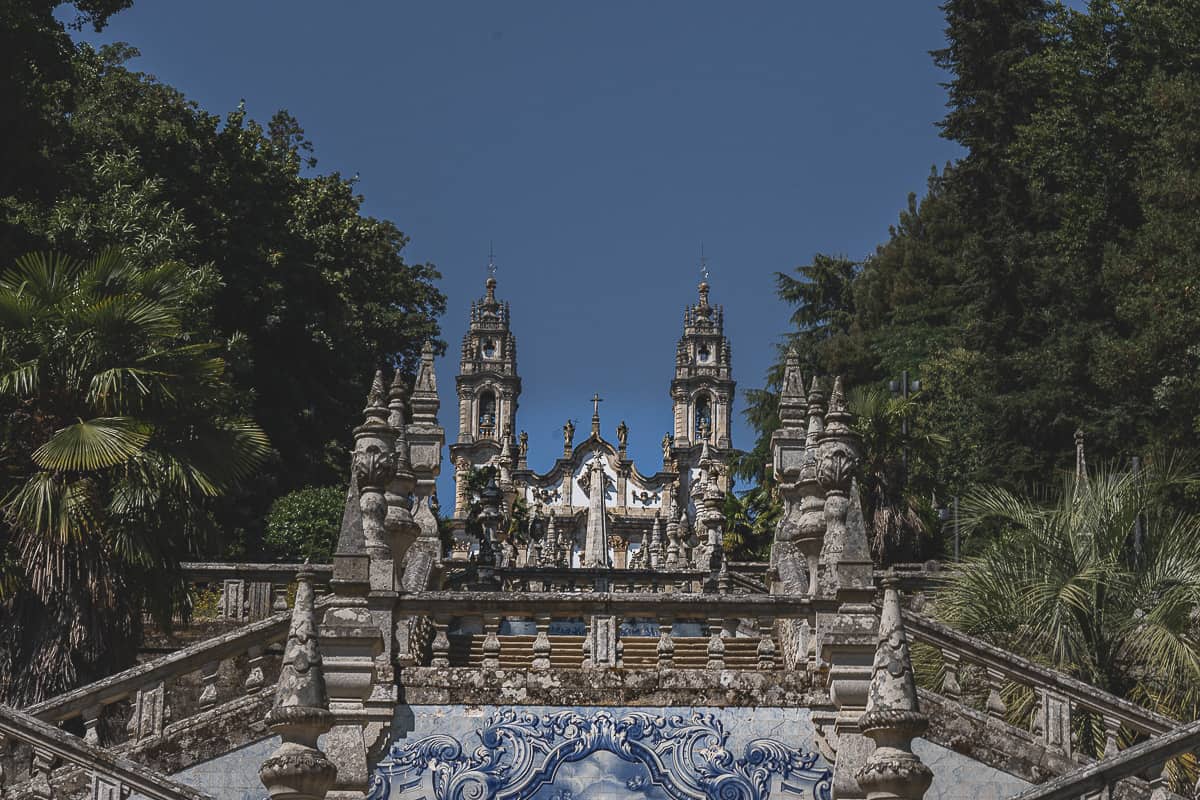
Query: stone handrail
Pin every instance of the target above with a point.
(126, 684)
(250, 591)
(626, 604)
(111, 775)
(964, 648)
(1145, 759)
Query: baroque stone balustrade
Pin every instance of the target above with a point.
(109, 776)
(1099, 779)
(170, 688)
(247, 592)
(1060, 699)
(731, 631)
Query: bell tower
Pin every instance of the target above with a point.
(488, 385)
(702, 391)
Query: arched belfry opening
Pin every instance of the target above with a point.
(487, 414)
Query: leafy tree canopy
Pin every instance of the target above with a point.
(1048, 280)
(309, 294)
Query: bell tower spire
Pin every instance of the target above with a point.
(487, 382)
(702, 391)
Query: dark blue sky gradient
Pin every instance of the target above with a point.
(596, 145)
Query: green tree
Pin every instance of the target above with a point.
(303, 525)
(312, 295)
(895, 475)
(118, 438)
(1065, 581)
(750, 519)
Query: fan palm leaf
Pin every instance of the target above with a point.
(1065, 582)
(132, 434)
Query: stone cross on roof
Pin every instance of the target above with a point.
(596, 401)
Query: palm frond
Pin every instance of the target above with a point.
(94, 444)
(20, 379)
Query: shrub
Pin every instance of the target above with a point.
(304, 524)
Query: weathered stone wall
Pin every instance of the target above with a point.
(958, 777)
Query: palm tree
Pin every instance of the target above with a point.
(1068, 583)
(895, 495)
(118, 431)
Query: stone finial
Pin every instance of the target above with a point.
(793, 403)
(298, 770)
(425, 401)
(816, 414)
(837, 417)
(491, 290)
(893, 717)
(376, 395)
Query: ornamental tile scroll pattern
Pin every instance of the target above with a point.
(668, 756)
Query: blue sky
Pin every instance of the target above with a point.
(596, 145)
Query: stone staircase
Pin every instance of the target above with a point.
(210, 698)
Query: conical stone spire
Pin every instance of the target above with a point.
(298, 770)
(425, 401)
(793, 404)
(596, 552)
(893, 717)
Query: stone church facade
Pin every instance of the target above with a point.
(611, 651)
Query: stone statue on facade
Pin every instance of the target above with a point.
(568, 436)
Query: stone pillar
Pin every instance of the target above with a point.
(402, 530)
(893, 717)
(810, 536)
(374, 467)
(620, 551)
(425, 438)
(846, 639)
(298, 770)
(787, 458)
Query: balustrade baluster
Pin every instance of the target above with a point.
(541, 644)
(105, 788)
(716, 646)
(208, 678)
(148, 712)
(666, 645)
(995, 703)
(491, 642)
(91, 724)
(440, 648)
(40, 770)
(618, 644)
(281, 602)
(766, 644)
(1112, 726)
(951, 688)
(1054, 720)
(255, 657)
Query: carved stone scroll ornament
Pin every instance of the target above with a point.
(521, 752)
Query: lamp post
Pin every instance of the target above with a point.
(950, 515)
(901, 388)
